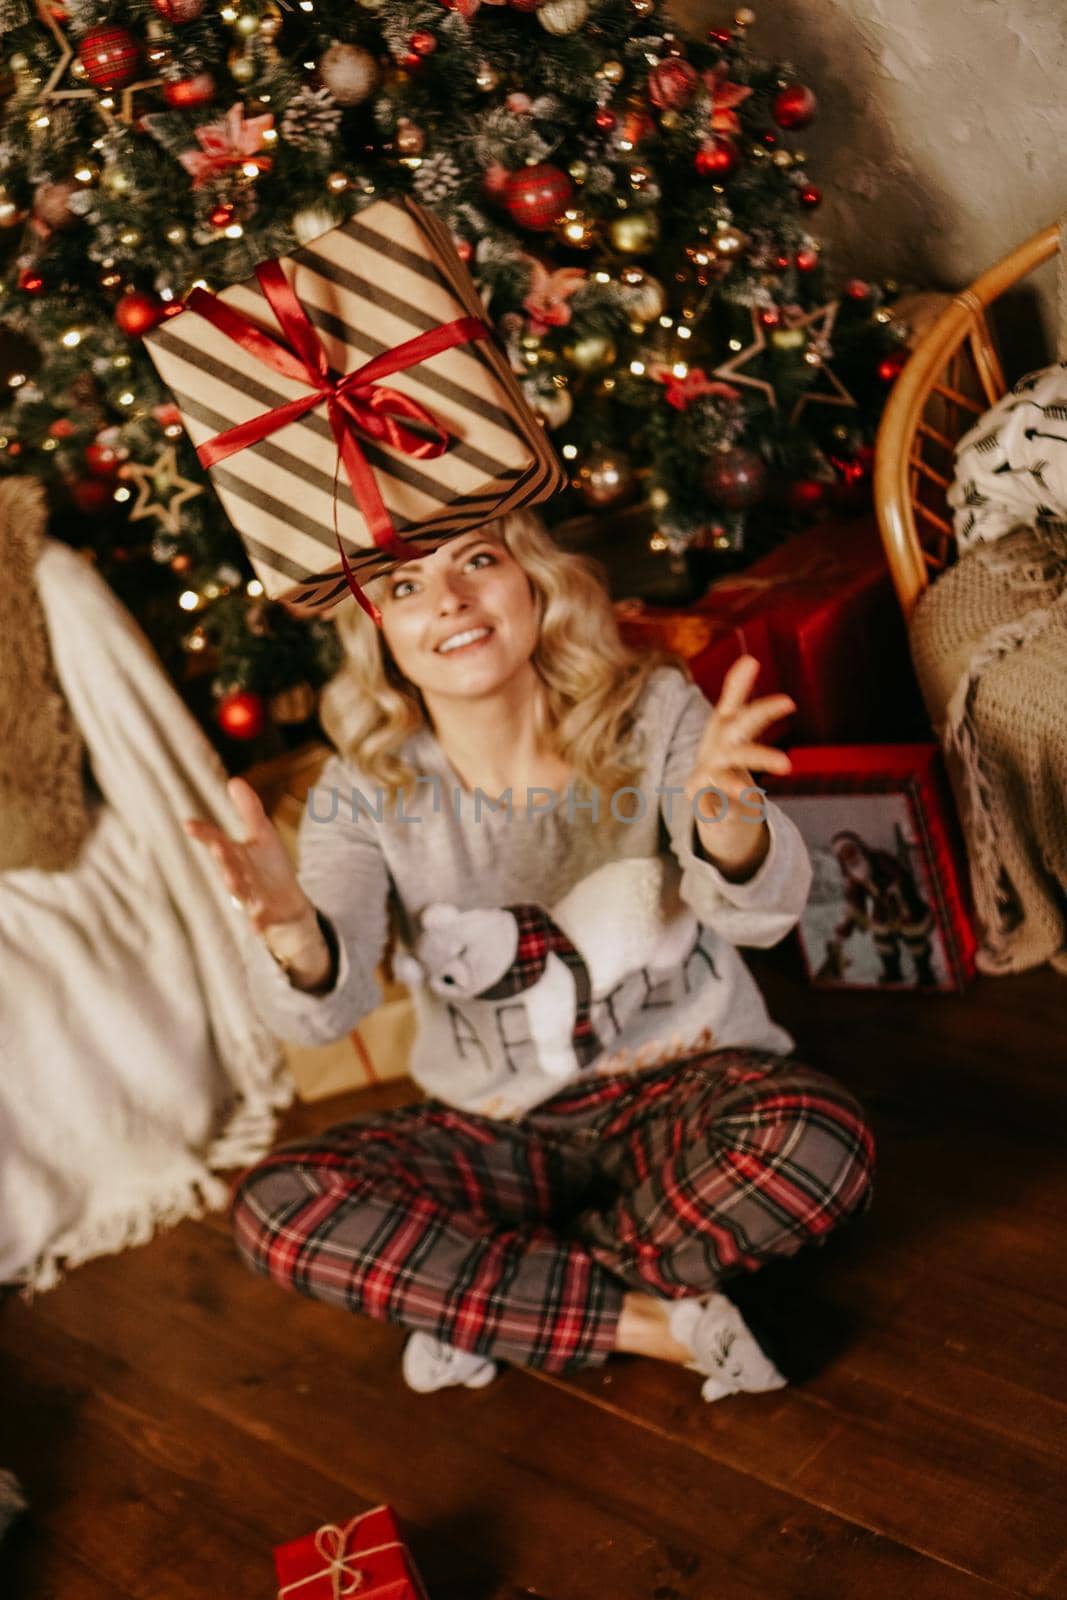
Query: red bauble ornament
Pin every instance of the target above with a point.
(719, 36)
(464, 249)
(527, 5)
(103, 460)
(537, 196)
(736, 478)
(423, 42)
(177, 12)
(810, 196)
(109, 56)
(188, 93)
(671, 84)
(806, 495)
(807, 260)
(891, 367)
(717, 158)
(605, 119)
(221, 216)
(242, 714)
(90, 495)
(770, 317)
(795, 106)
(61, 428)
(30, 281)
(181, 563)
(857, 289)
(138, 312)
(410, 61)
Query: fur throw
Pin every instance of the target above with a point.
(44, 811)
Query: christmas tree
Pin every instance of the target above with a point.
(634, 206)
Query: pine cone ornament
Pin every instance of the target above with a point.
(436, 179)
(311, 118)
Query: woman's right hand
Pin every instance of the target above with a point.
(257, 870)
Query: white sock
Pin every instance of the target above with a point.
(723, 1347)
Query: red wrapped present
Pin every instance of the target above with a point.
(709, 646)
(366, 1557)
(890, 903)
(836, 631)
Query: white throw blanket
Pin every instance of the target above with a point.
(133, 1065)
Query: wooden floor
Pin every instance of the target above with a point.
(172, 1416)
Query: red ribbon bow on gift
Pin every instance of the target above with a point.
(358, 401)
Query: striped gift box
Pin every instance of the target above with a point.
(380, 279)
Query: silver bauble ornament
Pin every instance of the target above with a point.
(349, 72)
(635, 232)
(553, 406)
(563, 16)
(588, 354)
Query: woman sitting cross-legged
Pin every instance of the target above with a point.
(574, 845)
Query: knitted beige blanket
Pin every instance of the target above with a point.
(44, 818)
(989, 640)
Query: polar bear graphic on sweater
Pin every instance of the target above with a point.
(621, 918)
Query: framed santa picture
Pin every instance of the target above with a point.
(890, 899)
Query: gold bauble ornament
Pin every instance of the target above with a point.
(246, 24)
(176, 234)
(669, 120)
(349, 72)
(635, 232)
(643, 297)
(115, 179)
(605, 478)
(596, 350)
(611, 72)
(783, 159)
(242, 67)
(337, 183)
(486, 78)
(563, 16)
(728, 242)
(579, 171)
(410, 139)
(658, 498)
(745, 17)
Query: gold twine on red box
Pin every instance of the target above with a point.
(345, 1576)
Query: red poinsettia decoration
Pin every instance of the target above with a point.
(546, 304)
(724, 97)
(680, 392)
(233, 142)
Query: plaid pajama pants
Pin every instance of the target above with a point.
(518, 1239)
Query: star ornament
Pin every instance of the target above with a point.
(733, 371)
(161, 490)
(820, 326)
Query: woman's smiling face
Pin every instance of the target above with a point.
(471, 584)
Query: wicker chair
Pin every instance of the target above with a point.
(952, 377)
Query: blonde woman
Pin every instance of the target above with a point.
(513, 1214)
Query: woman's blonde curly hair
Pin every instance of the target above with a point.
(592, 679)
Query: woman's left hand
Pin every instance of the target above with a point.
(729, 752)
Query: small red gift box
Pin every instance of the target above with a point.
(836, 632)
(366, 1557)
(889, 904)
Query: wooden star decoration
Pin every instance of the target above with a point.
(103, 105)
(733, 370)
(820, 324)
(161, 489)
